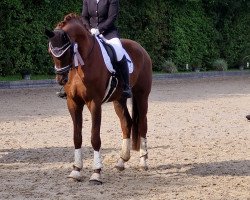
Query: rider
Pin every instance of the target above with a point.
(100, 17)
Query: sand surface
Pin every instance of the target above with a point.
(198, 140)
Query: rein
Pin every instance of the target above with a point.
(76, 57)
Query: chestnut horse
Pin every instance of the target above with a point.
(80, 68)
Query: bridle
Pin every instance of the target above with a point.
(76, 57)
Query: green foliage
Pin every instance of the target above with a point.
(231, 20)
(236, 39)
(193, 37)
(23, 44)
(194, 32)
(220, 65)
(169, 67)
(146, 23)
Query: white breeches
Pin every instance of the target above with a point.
(116, 43)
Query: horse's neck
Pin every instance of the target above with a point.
(92, 56)
(86, 44)
(80, 35)
(89, 50)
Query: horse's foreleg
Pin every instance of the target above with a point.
(126, 123)
(77, 166)
(76, 115)
(95, 110)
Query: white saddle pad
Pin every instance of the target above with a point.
(108, 61)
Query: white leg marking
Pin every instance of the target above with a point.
(78, 163)
(143, 163)
(97, 164)
(120, 164)
(143, 153)
(125, 153)
(143, 147)
(78, 158)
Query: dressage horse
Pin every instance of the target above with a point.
(80, 68)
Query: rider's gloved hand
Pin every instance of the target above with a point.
(95, 31)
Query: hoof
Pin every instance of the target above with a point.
(119, 168)
(248, 117)
(120, 165)
(76, 175)
(95, 179)
(144, 168)
(143, 163)
(95, 182)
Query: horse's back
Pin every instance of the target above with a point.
(142, 74)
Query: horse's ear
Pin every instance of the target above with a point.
(49, 33)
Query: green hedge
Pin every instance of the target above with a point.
(236, 41)
(196, 32)
(22, 39)
(192, 36)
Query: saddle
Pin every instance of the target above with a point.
(113, 81)
(111, 53)
(115, 75)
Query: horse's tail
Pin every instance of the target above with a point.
(135, 128)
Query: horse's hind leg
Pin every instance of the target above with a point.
(126, 124)
(140, 109)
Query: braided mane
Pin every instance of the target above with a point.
(68, 18)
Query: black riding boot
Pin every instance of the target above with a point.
(123, 67)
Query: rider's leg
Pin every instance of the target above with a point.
(122, 64)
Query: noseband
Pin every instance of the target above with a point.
(60, 51)
(76, 57)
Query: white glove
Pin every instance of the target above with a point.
(95, 31)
